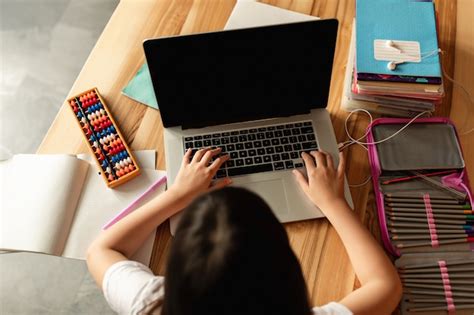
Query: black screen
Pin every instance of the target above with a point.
(246, 74)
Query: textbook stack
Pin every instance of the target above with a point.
(393, 63)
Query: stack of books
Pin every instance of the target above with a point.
(393, 64)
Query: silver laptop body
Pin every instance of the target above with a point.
(278, 188)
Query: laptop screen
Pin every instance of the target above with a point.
(240, 75)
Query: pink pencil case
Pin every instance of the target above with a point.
(406, 152)
(437, 272)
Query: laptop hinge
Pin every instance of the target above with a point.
(209, 124)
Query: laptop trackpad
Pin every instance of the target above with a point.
(272, 191)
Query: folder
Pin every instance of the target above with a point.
(396, 20)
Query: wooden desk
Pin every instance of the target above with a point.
(118, 54)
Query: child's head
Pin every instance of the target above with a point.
(231, 255)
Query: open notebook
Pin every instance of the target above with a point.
(57, 204)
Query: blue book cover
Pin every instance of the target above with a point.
(403, 20)
(140, 88)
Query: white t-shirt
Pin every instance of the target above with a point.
(132, 288)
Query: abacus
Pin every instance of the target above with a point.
(111, 152)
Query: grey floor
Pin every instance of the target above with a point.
(42, 284)
(43, 45)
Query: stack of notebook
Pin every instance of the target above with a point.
(393, 65)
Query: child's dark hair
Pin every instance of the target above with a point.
(230, 255)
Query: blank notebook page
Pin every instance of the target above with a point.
(39, 194)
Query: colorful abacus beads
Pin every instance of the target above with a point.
(104, 139)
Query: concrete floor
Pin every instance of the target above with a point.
(42, 284)
(43, 45)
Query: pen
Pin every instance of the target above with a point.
(402, 179)
(133, 205)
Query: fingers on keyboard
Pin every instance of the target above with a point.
(256, 150)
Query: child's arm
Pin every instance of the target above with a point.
(121, 240)
(381, 288)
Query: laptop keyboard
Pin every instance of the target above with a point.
(255, 150)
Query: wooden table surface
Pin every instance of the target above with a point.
(118, 54)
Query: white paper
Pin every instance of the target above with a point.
(252, 14)
(98, 204)
(111, 205)
(57, 204)
(39, 194)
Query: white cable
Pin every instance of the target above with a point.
(347, 144)
(361, 184)
(362, 144)
(427, 54)
(466, 92)
(371, 119)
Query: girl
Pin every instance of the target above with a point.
(230, 255)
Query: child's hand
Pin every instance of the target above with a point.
(195, 176)
(325, 184)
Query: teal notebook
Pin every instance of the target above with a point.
(141, 89)
(403, 20)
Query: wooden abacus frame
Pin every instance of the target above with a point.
(123, 179)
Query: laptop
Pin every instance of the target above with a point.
(260, 94)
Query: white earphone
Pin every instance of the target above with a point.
(392, 65)
(391, 44)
